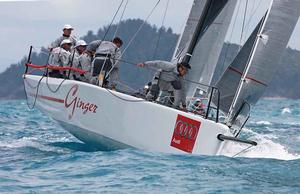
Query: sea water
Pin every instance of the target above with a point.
(38, 156)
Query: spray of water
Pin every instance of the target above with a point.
(266, 148)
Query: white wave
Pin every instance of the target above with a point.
(33, 143)
(286, 110)
(263, 123)
(266, 148)
(23, 142)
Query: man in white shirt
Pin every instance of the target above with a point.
(60, 56)
(67, 34)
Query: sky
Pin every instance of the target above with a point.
(39, 22)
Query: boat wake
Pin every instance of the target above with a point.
(266, 148)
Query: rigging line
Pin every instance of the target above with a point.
(126, 86)
(112, 21)
(140, 28)
(127, 100)
(134, 36)
(243, 26)
(155, 70)
(121, 18)
(159, 34)
(161, 28)
(57, 89)
(29, 84)
(243, 151)
(35, 96)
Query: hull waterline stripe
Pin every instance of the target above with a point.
(250, 78)
(48, 98)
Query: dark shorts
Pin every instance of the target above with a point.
(101, 64)
(57, 74)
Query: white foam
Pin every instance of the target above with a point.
(286, 110)
(31, 142)
(23, 142)
(264, 123)
(266, 148)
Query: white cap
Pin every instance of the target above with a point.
(66, 41)
(80, 43)
(68, 26)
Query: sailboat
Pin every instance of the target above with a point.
(116, 120)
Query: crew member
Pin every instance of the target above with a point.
(60, 56)
(67, 34)
(82, 60)
(169, 80)
(106, 62)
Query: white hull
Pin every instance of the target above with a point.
(115, 120)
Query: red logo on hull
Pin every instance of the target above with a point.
(185, 133)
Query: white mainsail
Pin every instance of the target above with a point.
(202, 51)
(190, 28)
(209, 45)
(269, 46)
